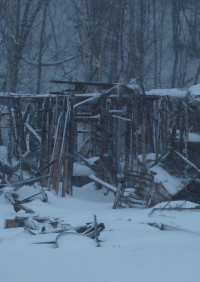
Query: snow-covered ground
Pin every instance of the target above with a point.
(130, 250)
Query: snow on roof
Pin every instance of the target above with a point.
(149, 157)
(195, 90)
(88, 95)
(82, 170)
(193, 137)
(179, 93)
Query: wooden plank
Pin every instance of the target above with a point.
(96, 179)
(96, 230)
(82, 84)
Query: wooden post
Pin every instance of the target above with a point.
(155, 120)
(158, 134)
(20, 161)
(71, 144)
(1, 143)
(186, 126)
(144, 136)
(99, 68)
(118, 128)
(60, 151)
(9, 148)
(96, 231)
(132, 139)
(103, 127)
(127, 137)
(136, 130)
(65, 184)
(164, 127)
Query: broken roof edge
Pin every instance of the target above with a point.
(172, 183)
(193, 92)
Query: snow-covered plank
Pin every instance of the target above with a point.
(125, 119)
(96, 179)
(177, 93)
(86, 101)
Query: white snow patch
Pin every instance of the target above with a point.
(195, 90)
(172, 184)
(130, 248)
(90, 192)
(178, 93)
(81, 170)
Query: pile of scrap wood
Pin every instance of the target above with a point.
(174, 179)
(23, 194)
(46, 225)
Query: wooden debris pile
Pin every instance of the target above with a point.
(18, 202)
(36, 225)
(174, 178)
(125, 128)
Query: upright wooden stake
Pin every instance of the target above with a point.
(132, 145)
(164, 128)
(99, 68)
(158, 129)
(65, 184)
(1, 143)
(136, 131)
(71, 144)
(144, 137)
(9, 148)
(155, 120)
(186, 127)
(127, 137)
(20, 161)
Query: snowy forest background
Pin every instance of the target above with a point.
(155, 41)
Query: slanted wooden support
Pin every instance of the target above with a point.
(59, 150)
(54, 172)
(16, 105)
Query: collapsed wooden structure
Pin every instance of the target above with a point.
(128, 130)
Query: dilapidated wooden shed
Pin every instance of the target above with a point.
(114, 129)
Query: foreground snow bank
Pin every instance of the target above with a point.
(130, 250)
